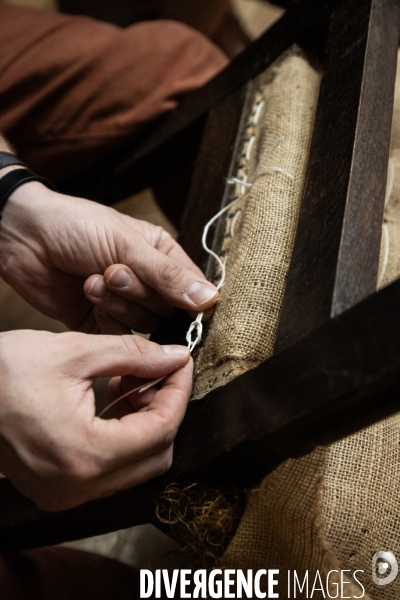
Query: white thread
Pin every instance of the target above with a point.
(272, 169)
(235, 181)
(263, 171)
(244, 185)
(258, 112)
(385, 229)
(235, 218)
(390, 181)
(140, 389)
(250, 146)
(266, 170)
(385, 239)
(197, 326)
(280, 139)
(208, 250)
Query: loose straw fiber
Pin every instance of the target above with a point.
(336, 507)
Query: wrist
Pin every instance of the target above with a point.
(24, 212)
(26, 201)
(14, 173)
(29, 192)
(22, 231)
(13, 179)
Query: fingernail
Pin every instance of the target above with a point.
(176, 350)
(98, 289)
(200, 293)
(119, 279)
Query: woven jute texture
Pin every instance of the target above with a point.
(258, 233)
(333, 509)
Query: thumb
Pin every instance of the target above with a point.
(179, 285)
(110, 356)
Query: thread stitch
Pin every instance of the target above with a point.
(385, 229)
(196, 327)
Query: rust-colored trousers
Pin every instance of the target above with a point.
(71, 90)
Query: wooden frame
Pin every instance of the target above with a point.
(337, 362)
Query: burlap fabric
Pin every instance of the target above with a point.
(259, 231)
(333, 509)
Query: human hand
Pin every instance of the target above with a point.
(52, 446)
(50, 244)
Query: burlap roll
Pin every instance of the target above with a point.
(259, 231)
(333, 509)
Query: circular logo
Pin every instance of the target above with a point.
(384, 568)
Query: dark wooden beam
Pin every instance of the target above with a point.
(358, 261)
(340, 378)
(172, 142)
(336, 254)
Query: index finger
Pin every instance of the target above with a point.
(180, 286)
(169, 246)
(176, 252)
(150, 431)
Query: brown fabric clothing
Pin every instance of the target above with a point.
(73, 89)
(215, 18)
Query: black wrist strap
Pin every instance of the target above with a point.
(8, 160)
(10, 182)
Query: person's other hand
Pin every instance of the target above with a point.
(54, 249)
(52, 446)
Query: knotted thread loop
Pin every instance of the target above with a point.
(196, 327)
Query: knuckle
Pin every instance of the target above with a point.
(137, 345)
(171, 273)
(166, 237)
(74, 342)
(165, 462)
(159, 232)
(168, 437)
(123, 310)
(79, 470)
